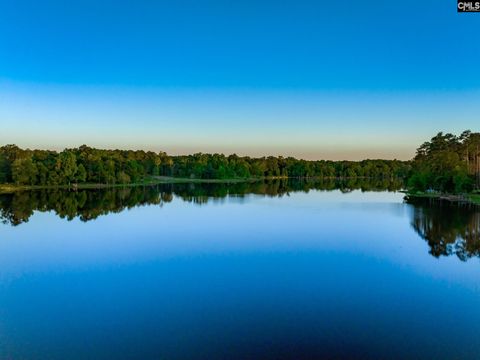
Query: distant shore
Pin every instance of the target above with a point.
(153, 180)
(157, 180)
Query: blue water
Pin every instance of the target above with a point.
(322, 274)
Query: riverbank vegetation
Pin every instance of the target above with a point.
(447, 164)
(86, 165)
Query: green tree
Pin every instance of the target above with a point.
(66, 167)
(81, 174)
(24, 172)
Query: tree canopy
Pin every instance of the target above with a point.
(447, 163)
(97, 166)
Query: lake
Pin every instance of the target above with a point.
(277, 270)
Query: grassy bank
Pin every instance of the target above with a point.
(154, 180)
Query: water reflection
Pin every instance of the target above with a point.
(17, 208)
(448, 228)
(305, 276)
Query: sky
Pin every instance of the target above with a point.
(310, 79)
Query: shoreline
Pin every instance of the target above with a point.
(156, 180)
(151, 181)
(470, 198)
(11, 188)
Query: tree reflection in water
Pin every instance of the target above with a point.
(449, 228)
(18, 207)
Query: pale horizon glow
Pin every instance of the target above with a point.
(313, 125)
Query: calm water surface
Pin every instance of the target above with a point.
(240, 272)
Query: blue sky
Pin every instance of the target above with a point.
(312, 79)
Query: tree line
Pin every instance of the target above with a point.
(98, 166)
(447, 163)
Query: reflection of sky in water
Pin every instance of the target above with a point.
(300, 274)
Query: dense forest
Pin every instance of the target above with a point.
(447, 163)
(88, 165)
